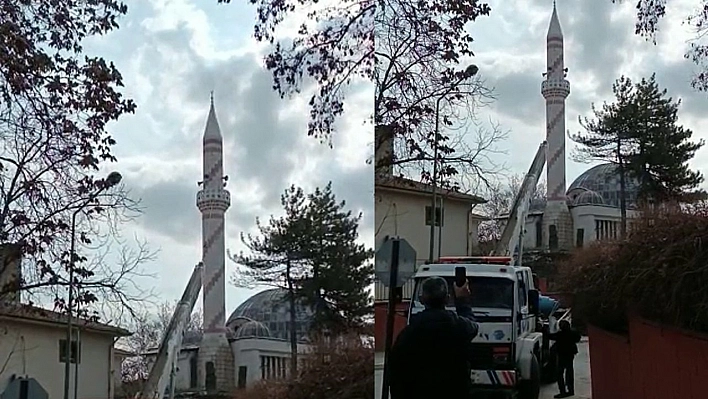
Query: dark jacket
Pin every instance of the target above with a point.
(566, 342)
(430, 358)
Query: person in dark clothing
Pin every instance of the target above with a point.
(430, 358)
(566, 348)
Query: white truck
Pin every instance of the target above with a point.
(511, 350)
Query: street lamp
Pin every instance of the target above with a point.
(470, 71)
(112, 179)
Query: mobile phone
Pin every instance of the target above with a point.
(460, 276)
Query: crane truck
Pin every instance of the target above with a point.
(164, 367)
(512, 352)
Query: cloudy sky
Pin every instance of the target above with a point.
(172, 53)
(600, 46)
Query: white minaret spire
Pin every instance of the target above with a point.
(213, 200)
(555, 90)
(216, 359)
(557, 222)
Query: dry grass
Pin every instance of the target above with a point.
(343, 369)
(659, 271)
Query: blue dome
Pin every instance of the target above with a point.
(252, 329)
(271, 308)
(603, 181)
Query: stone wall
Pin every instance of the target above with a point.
(214, 351)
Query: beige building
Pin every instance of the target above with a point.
(33, 343)
(403, 208)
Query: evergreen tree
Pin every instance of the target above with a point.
(276, 257)
(639, 133)
(610, 138)
(341, 273)
(664, 148)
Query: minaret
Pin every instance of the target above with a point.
(216, 365)
(558, 227)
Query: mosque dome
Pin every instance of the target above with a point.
(271, 308)
(601, 182)
(587, 197)
(253, 329)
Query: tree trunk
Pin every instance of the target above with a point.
(293, 325)
(623, 200)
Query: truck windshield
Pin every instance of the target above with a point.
(487, 292)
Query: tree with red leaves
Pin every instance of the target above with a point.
(55, 103)
(333, 47)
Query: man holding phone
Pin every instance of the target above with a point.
(430, 358)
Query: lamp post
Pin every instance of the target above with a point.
(113, 179)
(469, 72)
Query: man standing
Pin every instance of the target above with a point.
(566, 348)
(430, 358)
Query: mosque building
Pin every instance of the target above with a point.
(589, 209)
(253, 343)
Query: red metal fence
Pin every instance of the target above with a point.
(651, 362)
(380, 323)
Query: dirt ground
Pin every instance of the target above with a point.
(582, 376)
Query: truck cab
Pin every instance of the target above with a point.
(509, 351)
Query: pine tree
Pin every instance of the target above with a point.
(277, 259)
(639, 133)
(341, 270)
(610, 138)
(664, 148)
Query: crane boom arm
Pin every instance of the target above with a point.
(511, 241)
(171, 343)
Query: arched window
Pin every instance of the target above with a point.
(552, 237)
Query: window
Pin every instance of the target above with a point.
(75, 351)
(193, 368)
(242, 371)
(579, 238)
(539, 234)
(552, 237)
(606, 229)
(273, 367)
(439, 216)
(523, 299)
(487, 292)
(210, 377)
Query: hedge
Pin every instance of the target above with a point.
(659, 271)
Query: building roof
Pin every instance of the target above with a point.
(212, 130)
(123, 352)
(397, 183)
(32, 314)
(554, 28)
(604, 182)
(253, 329)
(271, 308)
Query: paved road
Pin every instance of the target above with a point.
(582, 376)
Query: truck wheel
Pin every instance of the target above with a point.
(531, 388)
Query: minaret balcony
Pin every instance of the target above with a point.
(555, 88)
(213, 199)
